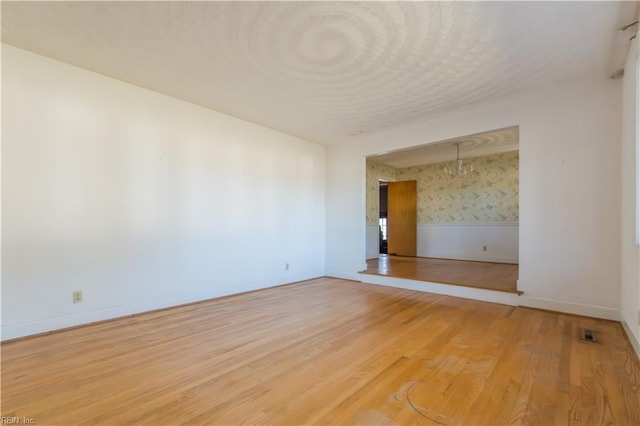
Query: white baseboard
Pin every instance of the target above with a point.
(437, 288)
(632, 339)
(343, 275)
(14, 331)
(603, 312)
(24, 329)
(472, 259)
(595, 311)
(481, 259)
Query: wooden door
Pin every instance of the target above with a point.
(402, 217)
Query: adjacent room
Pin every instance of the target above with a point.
(320, 213)
(447, 212)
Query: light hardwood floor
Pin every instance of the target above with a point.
(327, 351)
(487, 275)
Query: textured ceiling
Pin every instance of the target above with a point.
(494, 142)
(325, 71)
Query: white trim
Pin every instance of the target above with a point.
(595, 311)
(24, 329)
(344, 275)
(430, 224)
(477, 259)
(373, 241)
(504, 298)
(632, 339)
(437, 288)
(635, 50)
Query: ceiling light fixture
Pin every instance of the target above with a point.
(457, 168)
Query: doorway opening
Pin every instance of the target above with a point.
(382, 216)
(402, 218)
(466, 203)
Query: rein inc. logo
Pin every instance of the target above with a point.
(16, 420)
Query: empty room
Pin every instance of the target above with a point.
(320, 213)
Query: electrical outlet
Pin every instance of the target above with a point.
(286, 266)
(77, 296)
(484, 248)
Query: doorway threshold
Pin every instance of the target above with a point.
(502, 277)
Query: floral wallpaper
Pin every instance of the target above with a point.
(375, 172)
(489, 194)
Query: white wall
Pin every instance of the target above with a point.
(373, 241)
(465, 241)
(142, 201)
(630, 253)
(569, 245)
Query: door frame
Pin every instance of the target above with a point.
(386, 180)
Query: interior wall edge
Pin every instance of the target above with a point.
(548, 229)
(635, 343)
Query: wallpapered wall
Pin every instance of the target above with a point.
(489, 194)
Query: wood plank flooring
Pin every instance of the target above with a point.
(486, 275)
(327, 351)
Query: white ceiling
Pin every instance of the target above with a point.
(486, 143)
(324, 71)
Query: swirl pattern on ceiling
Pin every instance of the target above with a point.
(325, 71)
(481, 144)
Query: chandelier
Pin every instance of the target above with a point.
(457, 168)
